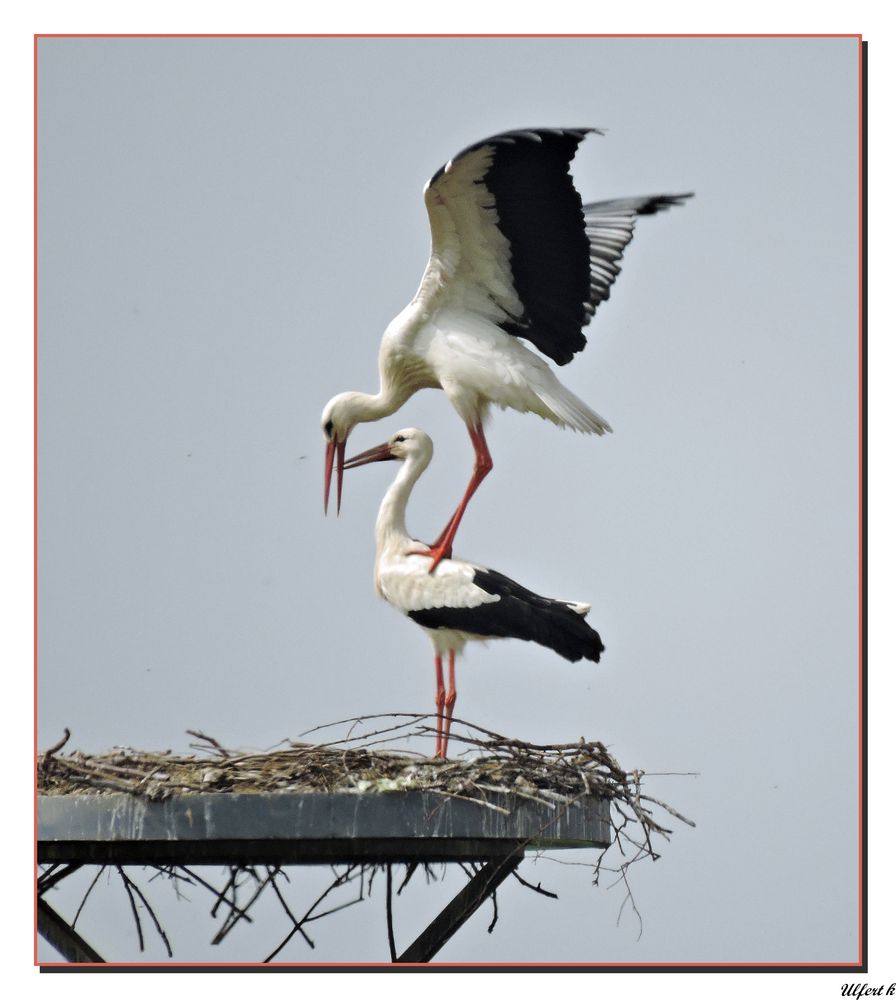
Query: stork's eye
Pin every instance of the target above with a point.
(399, 437)
(328, 428)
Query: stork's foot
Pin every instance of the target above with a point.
(436, 550)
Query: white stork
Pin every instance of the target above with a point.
(515, 255)
(459, 601)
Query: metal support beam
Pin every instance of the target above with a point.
(461, 908)
(65, 939)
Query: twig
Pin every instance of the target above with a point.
(54, 875)
(669, 809)
(96, 878)
(210, 740)
(237, 913)
(56, 747)
(393, 954)
(132, 887)
(126, 882)
(297, 927)
(491, 926)
(411, 868)
(534, 888)
(349, 874)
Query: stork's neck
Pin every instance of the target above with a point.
(390, 522)
(362, 407)
(402, 371)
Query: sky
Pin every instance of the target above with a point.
(225, 228)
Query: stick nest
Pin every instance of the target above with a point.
(487, 762)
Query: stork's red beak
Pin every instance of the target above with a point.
(381, 453)
(334, 449)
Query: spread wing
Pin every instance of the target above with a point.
(512, 242)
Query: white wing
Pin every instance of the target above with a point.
(406, 583)
(469, 265)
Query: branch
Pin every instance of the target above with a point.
(534, 888)
(393, 954)
(56, 747)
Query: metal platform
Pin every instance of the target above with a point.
(307, 829)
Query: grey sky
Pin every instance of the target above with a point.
(226, 227)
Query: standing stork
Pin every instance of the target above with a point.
(459, 601)
(515, 255)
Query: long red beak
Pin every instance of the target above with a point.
(336, 449)
(381, 453)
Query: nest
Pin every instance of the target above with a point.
(487, 762)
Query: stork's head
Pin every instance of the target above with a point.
(407, 444)
(340, 415)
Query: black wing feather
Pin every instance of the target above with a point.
(519, 614)
(564, 256)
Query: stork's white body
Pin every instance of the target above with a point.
(405, 582)
(476, 364)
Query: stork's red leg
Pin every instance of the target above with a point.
(440, 706)
(441, 539)
(442, 546)
(450, 699)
